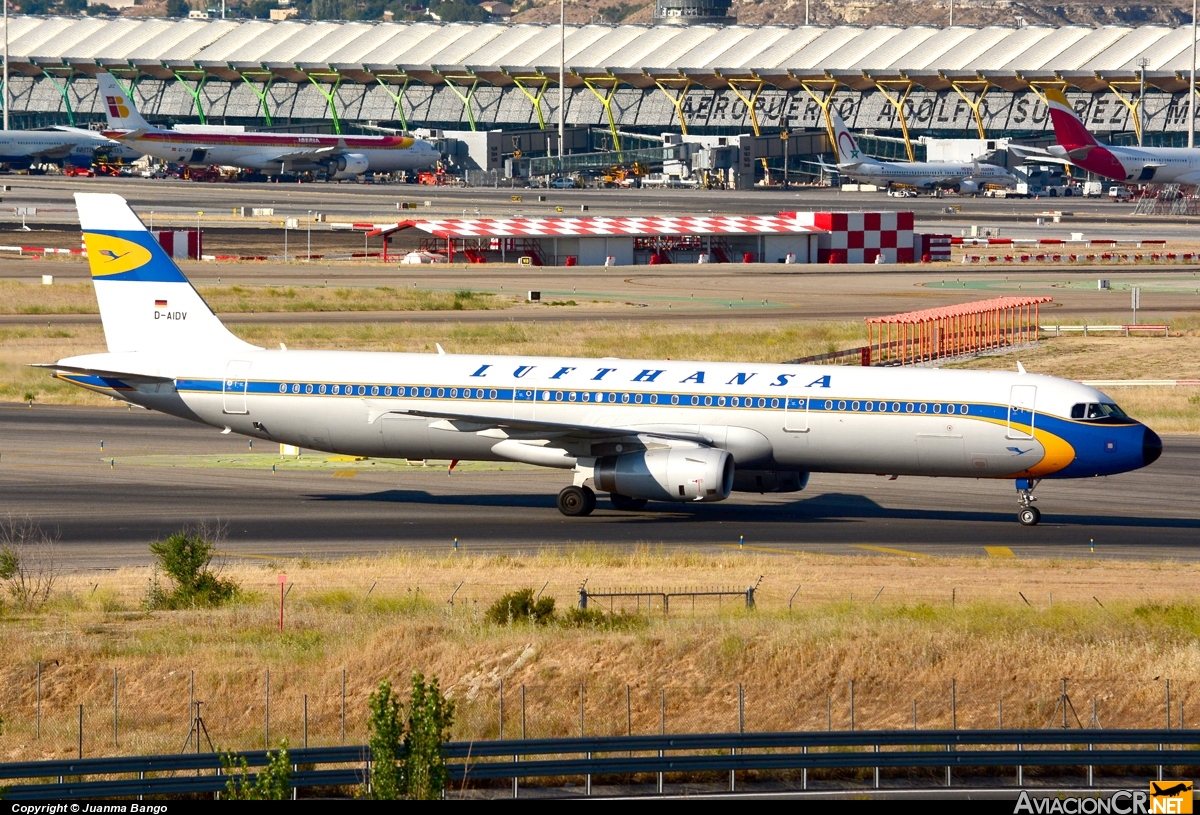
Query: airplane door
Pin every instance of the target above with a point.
(1021, 411)
(234, 387)
(795, 414)
(1147, 174)
(197, 156)
(525, 396)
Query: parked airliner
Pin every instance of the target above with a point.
(61, 145)
(966, 177)
(1079, 148)
(639, 430)
(337, 156)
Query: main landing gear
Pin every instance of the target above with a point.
(576, 501)
(1028, 514)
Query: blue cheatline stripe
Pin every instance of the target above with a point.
(90, 381)
(859, 406)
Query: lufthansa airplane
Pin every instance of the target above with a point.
(639, 430)
(338, 156)
(964, 176)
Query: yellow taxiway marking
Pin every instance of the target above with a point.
(764, 549)
(344, 473)
(999, 551)
(885, 550)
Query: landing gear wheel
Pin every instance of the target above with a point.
(625, 503)
(576, 501)
(1029, 516)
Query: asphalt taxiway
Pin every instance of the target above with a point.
(155, 474)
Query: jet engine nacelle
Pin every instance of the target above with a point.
(769, 481)
(671, 474)
(349, 165)
(968, 186)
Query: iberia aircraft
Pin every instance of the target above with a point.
(338, 156)
(1079, 148)
(639, 430)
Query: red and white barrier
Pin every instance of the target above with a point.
(184, 244)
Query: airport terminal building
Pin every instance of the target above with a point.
(699, 79)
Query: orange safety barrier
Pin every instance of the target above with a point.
(967, 328)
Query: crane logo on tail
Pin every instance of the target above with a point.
(109, 255)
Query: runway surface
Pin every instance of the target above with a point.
(157, 473)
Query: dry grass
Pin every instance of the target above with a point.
(386, 616)
(17, 297)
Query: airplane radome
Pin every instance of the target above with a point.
(639, 430)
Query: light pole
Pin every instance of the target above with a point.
(6, 65)
(1141, 103)
(309, 237)
(784, 137)
(1191, 86)
(562, 79)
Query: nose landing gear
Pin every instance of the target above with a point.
(1028, 514)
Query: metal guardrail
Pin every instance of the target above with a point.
(701, 752)
(1059, 330)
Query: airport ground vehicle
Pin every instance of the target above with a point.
(1119, 194)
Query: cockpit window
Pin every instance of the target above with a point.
(1097, 411)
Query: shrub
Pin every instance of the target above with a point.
(520, 606)
(386, 734)
(186, 557)
(407, 760)
(273, 782)
(430, 716)
(596, 618)
(28, 571)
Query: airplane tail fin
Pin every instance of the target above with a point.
(846, 145)
(146, 303)
(1069, 130)
(118, 106)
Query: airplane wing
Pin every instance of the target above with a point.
(58, 151)
(314, 154)
(531, 428)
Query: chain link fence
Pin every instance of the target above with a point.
(60, 713)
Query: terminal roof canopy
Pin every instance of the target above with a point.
(784, 56)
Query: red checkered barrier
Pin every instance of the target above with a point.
(860, 237)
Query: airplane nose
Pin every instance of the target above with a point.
(1151, 447)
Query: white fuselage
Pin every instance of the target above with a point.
(926, 174)
(75, 146)
(277, 152)
(768, 416)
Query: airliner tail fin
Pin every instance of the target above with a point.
(146, 303)
(1069, 130)
(118, 106)
(845, 145)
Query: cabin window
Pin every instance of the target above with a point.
(674, 400)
